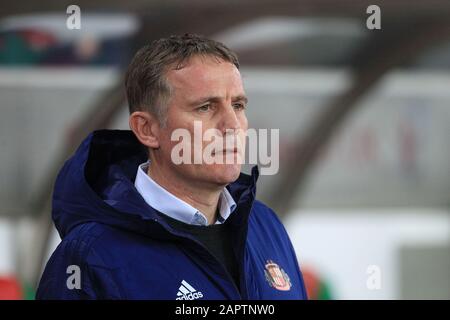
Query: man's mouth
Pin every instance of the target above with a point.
(225, 151)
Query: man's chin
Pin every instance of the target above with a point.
(225, 173)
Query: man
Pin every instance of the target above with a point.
(137, 224)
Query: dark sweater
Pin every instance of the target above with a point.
(216, 238)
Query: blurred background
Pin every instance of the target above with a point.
(364, 118)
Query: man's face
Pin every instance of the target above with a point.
(209, 92)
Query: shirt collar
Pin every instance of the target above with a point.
(160, 199)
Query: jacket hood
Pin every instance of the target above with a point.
(97, 185)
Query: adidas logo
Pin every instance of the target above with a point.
(187, 292)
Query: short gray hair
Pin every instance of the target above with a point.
(145, 82)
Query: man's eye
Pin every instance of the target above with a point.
(204, 108)
(239, 106)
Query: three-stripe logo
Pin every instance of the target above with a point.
(187, 292)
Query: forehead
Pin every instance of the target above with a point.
(200, 74)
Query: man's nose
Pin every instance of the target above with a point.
(229, 119)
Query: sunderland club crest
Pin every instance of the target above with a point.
(276, 276)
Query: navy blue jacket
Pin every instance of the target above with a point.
(124, 250)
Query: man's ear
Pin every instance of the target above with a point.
(146, 128)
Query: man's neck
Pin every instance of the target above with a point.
(203, 199)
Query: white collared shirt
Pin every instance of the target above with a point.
(160, 199)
